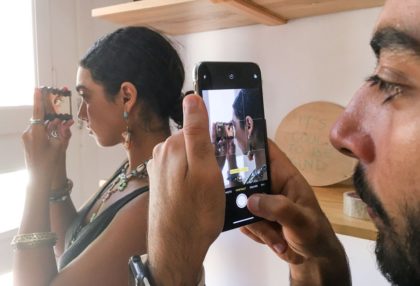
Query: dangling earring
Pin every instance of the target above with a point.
(127, 133)
(251, 149)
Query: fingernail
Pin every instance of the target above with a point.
(190, 103)
(280, 248)
(254, 203)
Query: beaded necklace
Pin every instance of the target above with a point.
(121, 183)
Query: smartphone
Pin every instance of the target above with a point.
(232, 93)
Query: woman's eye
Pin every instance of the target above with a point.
(391, 90)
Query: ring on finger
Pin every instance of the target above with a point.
(54, 133)
(34, 121)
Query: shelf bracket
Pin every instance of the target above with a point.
(254, 11)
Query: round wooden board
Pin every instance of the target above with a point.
(304, 136)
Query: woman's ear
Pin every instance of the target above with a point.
(249, 125)
(128, 95)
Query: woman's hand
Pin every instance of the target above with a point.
(45, 142)
(231, 153)
(220, 147)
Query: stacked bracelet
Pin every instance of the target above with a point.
(32, 240)
(234, 178)
(62, 195)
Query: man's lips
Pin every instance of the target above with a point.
(376, 219)
(373, 215)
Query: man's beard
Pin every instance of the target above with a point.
(398, 254)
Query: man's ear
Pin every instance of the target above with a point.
(128, 95)
(249, 125)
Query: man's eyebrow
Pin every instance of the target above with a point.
(391, 38)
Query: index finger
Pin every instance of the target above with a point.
(196, 132)
(285, 177)
(38, 109)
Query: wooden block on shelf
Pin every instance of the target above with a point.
(331, 201)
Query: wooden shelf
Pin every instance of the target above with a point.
(188, 16)
(331, 201)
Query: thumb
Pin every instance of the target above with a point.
(196, 129)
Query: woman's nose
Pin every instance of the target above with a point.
(81, 114)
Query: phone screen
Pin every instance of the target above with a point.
(238, 132)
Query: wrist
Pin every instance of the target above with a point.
(60, 174)
(63, 193)
(39, 185)
(175, 262)
(232, 161)
(327, 270)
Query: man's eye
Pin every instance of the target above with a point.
(391, 90)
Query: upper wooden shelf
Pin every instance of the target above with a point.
(331, 201)
(188, 16)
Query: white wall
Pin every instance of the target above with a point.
(319, 58)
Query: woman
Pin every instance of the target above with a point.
(249, 130)
(130, 82)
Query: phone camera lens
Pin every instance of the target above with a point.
(255, 76)
(231, 76)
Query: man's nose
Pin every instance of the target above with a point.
(349, 136)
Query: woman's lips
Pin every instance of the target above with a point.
(90, 132)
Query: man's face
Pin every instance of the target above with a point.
(381, 128)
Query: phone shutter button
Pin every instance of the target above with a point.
(241, 200)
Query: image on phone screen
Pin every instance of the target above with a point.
(238, 133)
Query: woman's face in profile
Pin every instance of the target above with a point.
(104, 119)
(240, 134)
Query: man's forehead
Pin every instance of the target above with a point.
(401, 15)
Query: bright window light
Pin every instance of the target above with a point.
(6, 279)
(17, 72)
(12, 199)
